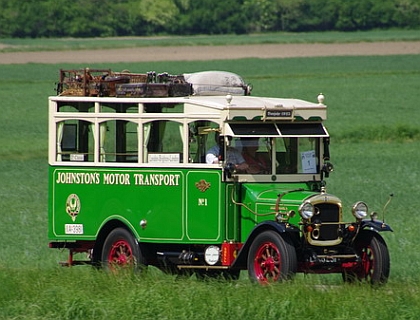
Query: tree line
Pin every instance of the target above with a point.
(105, 18)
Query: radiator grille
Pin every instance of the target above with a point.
(328, 212)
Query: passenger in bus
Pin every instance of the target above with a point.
(232, 156)
(257, 162)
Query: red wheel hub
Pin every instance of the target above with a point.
(120, 254)
(367, 263)
(267, 263)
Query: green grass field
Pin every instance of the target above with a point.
(17, 44)
(374, 124)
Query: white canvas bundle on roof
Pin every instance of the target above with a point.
(210, 83)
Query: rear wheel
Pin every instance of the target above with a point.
(374, 263)
(121, 250)
(271, 258)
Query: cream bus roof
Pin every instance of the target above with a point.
(226, 107)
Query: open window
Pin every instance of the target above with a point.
(74, 141)
(256, 152)
(118, 141)
(163, 142)
(202, 136)
(297, 155)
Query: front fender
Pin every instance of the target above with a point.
(375, 225)
(241, 260)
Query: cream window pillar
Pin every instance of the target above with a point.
(60, 129)
(146, 136)
(102, 136)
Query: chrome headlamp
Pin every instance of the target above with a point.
(306, 210)
(360, 210)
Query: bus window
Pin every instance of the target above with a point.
(74, 141)
(256, 153)
(163, 107)
(286, 153)
(308, 155)
(118, 141)
(67, 106)
(163, 142)
(297, 155)
(202, 136)
(120, 108)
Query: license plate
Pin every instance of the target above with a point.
(73, 229)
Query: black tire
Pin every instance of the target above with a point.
(271, 258)
(374, 266)
(121, 250)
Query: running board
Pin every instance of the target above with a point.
(202, 267)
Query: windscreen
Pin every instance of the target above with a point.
(267, 155)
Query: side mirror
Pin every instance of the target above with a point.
(327, 168)
(229, 169)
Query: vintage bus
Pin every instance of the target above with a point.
(212, 183)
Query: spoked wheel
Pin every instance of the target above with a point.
(374, 266)
(271, 258)
(121, 250)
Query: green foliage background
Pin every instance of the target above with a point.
(105, 18)
(373, 121)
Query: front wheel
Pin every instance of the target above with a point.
(121, 250)
(374, 263)
(271, 258)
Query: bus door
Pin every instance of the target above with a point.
(204, 217)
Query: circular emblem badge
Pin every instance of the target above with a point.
(73, 206)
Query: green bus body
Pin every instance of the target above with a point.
(210, 183)
(170, 200)
(166, 198)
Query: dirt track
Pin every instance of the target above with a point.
(212, 52)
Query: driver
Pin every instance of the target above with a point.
(257, 162)
(232, 156)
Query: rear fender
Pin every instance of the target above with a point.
(241, 260)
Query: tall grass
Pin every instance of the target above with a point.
(373, 121)
(89, 294)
